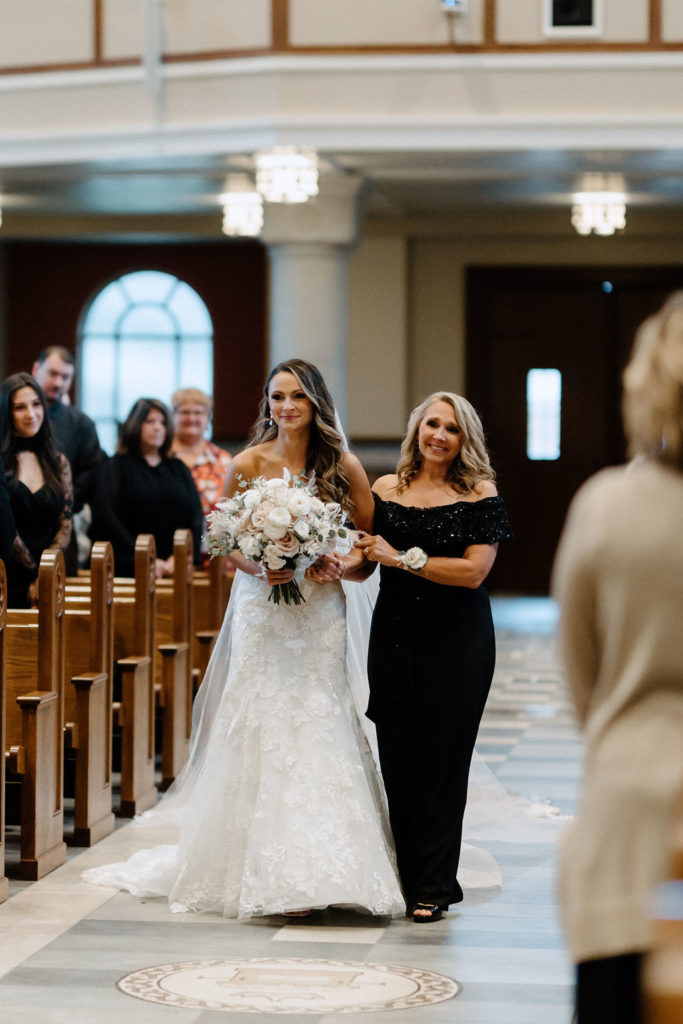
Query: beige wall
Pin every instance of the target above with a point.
(122, 29)
(45, 31)
(672, 21)
(189, 26)
(35, 32)
(521, 21)
(380, 23)
(200, 25)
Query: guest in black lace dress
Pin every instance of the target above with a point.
(437, 525)
(143, 489)
(39, 484)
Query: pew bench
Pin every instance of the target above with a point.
(33, 651)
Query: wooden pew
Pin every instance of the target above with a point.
(4, 884)
(134, 646)
(34, 740)
(173, 672)
(133, 653)
(88, 643)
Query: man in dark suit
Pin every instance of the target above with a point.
(74, 432)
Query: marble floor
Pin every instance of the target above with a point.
(75, 953)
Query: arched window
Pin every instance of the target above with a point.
(146, 333)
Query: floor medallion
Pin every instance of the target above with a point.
(292, 986)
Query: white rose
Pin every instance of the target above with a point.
(258, 517)
(249, 545)
(415, 558)
(317, 505)
(299, 503)
(277, 523)
(252, 499)
(272, 558)
(301, 529)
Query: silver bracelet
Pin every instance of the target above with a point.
(413, 558)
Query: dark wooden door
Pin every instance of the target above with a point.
(580, 321)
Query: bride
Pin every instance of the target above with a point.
(280, 807)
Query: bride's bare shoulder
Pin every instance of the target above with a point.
(246, 465)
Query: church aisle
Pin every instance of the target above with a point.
(67, 945)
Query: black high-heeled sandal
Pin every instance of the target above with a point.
(435, 913)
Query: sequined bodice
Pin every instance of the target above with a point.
(444, 530)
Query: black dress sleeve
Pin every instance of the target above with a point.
(489, 523)
(106, 522)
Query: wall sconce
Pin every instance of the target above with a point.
(453, 6)
(242, 208)
(286, 174)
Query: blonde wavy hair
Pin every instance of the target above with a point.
(652, 403)
(469, 467)
(326, 444)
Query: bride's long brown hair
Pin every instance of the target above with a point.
(326, 445)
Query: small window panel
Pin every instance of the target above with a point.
(543, 419)
(572, 18)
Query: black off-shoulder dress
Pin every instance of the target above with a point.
(430, 665)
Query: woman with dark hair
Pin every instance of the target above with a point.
(39, 482)
(438, 521)
(142, 489)
(280, 806)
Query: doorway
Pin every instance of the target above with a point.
(579, 322)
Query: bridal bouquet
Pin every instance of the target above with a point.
(280, 523)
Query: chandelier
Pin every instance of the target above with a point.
(286, 174)
(600, 207)
(242, 208)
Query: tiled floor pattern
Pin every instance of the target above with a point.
(65, 945)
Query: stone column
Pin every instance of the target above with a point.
(309, 247)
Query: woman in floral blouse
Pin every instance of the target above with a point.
(207, 462)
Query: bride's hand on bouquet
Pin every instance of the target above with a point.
(326, 569)
(274, 576)
(376, 549)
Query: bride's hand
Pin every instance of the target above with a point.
(326, 569)
(275, 576)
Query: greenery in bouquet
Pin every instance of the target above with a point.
(278, 523)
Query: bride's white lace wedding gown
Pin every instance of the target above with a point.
(280, 807)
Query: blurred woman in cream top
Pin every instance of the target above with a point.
(619, 579)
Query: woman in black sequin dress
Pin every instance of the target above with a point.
(437, 525)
